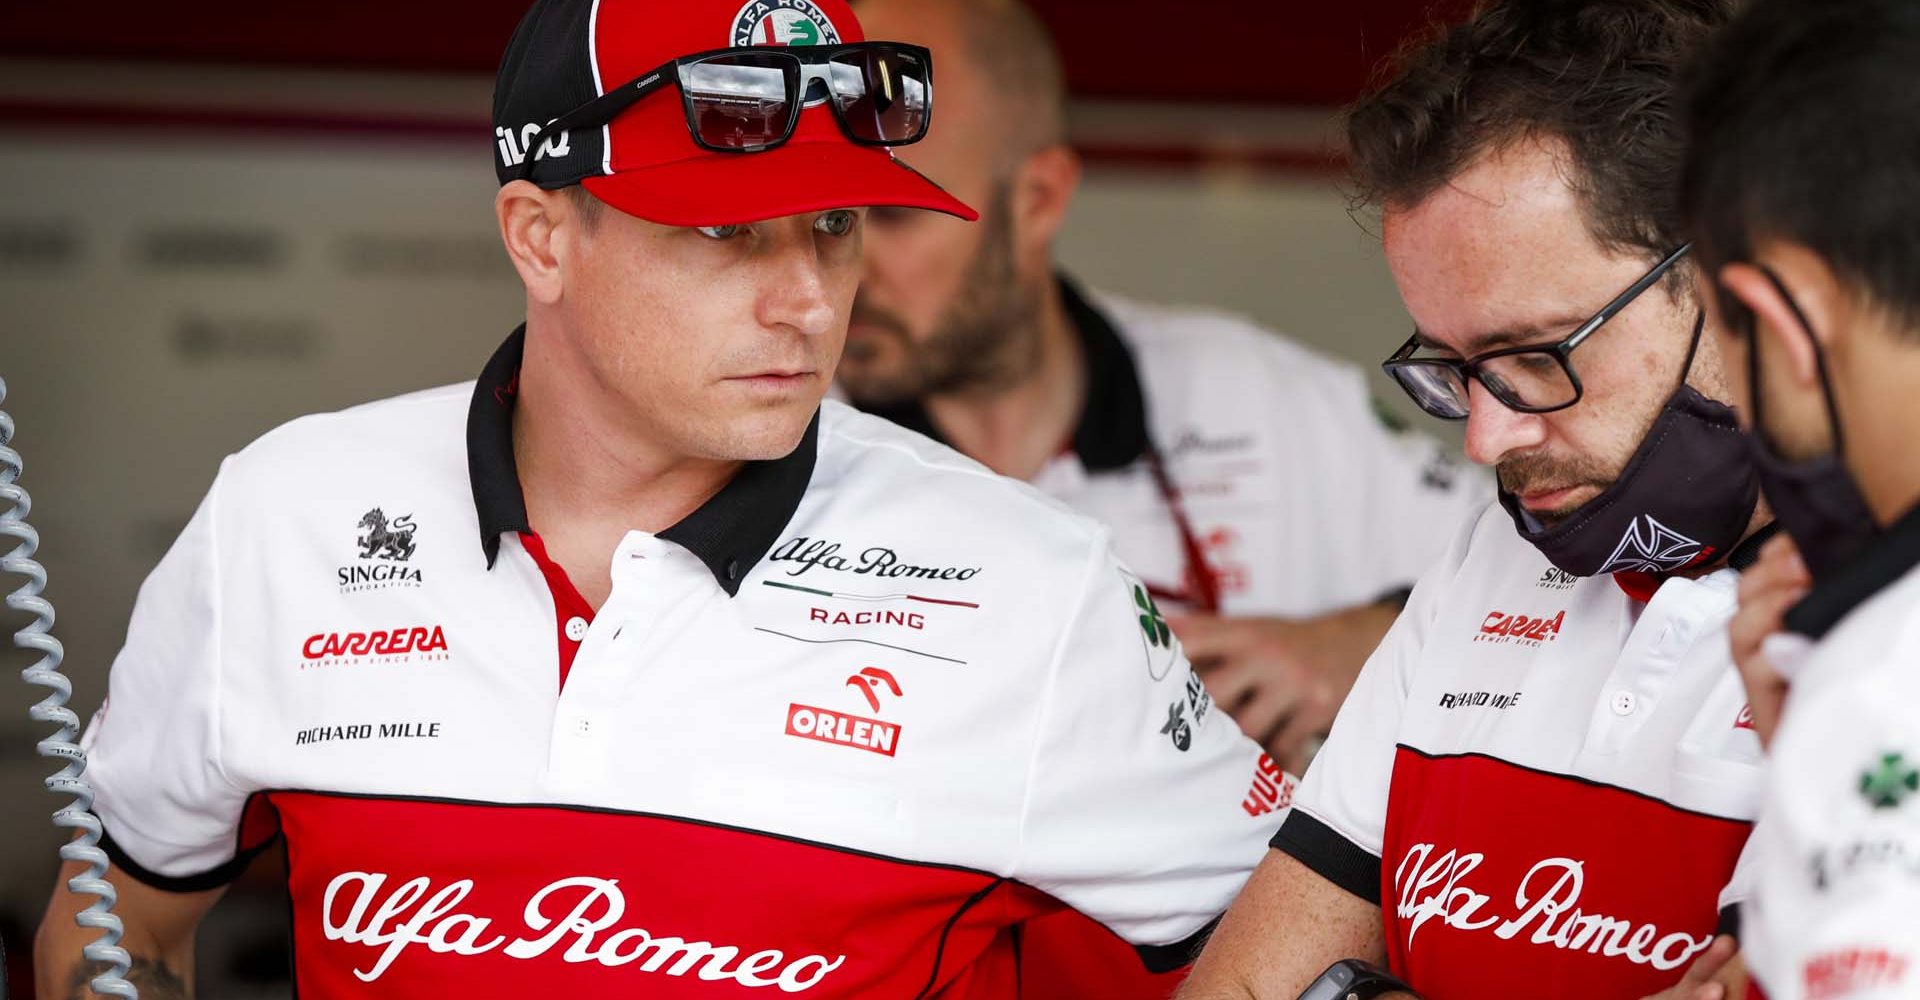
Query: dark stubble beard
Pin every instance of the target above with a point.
(987, 339)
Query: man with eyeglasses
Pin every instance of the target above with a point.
(631, 669)
(1544, 780)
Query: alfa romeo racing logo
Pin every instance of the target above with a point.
(783, 22)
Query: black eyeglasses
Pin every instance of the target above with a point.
(747, 100)
(1537, 378)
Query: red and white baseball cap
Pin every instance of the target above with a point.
(645, 163)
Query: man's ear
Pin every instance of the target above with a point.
(1777, 322)
(1043, 191)
(530, 219)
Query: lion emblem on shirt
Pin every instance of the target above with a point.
(384, 539)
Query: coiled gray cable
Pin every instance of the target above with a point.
(37, 636)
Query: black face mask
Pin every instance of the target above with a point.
(1815, 500)
(1684, 499)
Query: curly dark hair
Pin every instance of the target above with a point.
(1602, 76)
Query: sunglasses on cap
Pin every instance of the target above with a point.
(748, 100)
(1537, 378)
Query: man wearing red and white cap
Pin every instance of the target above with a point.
(630, 668)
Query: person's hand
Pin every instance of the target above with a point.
(1768, 588)
(1283, 679)
(1712, 976)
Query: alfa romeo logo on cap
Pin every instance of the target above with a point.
(783, 22)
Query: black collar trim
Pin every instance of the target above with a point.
(1895, 552)
(1112, 432)
(730, 533)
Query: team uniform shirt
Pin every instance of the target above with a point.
(1838, 844)
(1545, 784)
(1299, 496)
(839, 732)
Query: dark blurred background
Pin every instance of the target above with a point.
(217, 216)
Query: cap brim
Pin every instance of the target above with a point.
(717, 189)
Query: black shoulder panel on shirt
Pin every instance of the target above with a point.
(1164, 958)
(1330, 855)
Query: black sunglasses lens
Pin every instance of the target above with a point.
(741, 101)
(883, 92)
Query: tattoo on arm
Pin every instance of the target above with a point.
(155, 979)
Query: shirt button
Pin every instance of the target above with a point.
(1624, 703)
(576, 628)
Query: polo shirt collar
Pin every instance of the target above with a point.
(1112, 431)
(1893, 554)
(730, 533)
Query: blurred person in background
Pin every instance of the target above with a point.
(1544, 780)
(1802, 187)
(1249, 480)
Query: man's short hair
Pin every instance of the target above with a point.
(1804, 121)
(1602, 76)
(1013, 49)
(586, 206)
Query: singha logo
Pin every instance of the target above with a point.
(1652, 547)
(386, 541)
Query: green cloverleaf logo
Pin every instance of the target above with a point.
(1888, 783)
(1151, 622)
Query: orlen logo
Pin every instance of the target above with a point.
(1745, 719)
(826, 726)
(1501, 627)
(846, 730)
(382, 642)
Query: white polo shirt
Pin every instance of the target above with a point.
(1544, 783)
(1836, 907)
(839, 732)
(1300, 497)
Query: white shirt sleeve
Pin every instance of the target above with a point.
(1834, 911)
(1147, 808)
(1339, 818)
(172, 816)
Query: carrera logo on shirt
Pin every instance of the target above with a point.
(565, 919)
(1432, 885)
(1503, 628)
(329, 648)
(877, 561)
